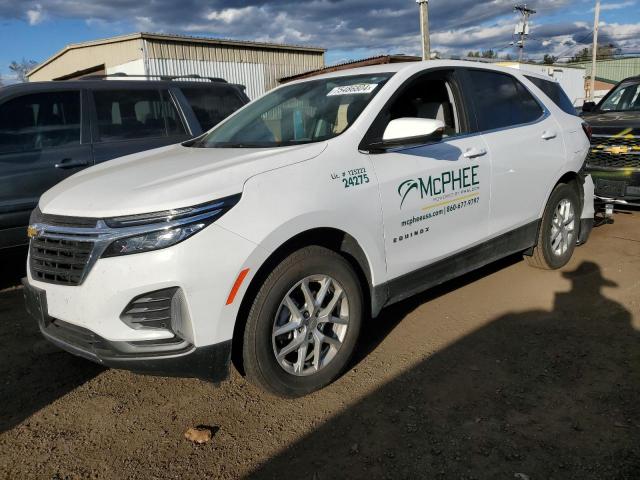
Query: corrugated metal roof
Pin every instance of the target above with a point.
(179, 39)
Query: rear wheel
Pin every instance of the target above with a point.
(304, 323)
(558, 231)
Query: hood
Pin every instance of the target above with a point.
(166, 178)
(613, 123)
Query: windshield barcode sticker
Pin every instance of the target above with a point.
(360, 89)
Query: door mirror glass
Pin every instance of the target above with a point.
(405, 131)
(589, 107)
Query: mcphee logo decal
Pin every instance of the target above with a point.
(447, 182)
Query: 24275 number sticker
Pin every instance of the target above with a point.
(352, 178)
(355, 180)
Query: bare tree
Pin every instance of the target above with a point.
(21, 68)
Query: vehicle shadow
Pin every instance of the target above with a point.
(33, 372)
(392, 316)
(13, 264)
(534, 394)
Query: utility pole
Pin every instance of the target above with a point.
(594, 61)
(522, 29)
(424, 28)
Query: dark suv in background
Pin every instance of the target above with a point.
(614, 158)
(51, 130)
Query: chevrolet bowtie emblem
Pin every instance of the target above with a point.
(32, 232)
(617, 150)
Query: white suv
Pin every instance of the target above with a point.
(272, 238)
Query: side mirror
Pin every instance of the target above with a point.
(589, 107)
(412, 131)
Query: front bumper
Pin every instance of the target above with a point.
(176, 358)
(617, 185)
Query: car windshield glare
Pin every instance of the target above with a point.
(625, 98)
(301, 113)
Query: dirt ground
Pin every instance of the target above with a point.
(507, 373)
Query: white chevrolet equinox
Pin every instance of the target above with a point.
(273, 238)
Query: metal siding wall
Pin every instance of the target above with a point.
(250, 75)
(86, 57)
(617, 69)
(258, 68)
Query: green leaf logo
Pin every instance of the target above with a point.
(405, 188)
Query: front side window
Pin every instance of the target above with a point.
(302, 113)
(131, 114)
(625, 98)
(39, 121)
(555, 92)
(212, 105)
(501, 101)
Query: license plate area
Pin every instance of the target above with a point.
(35, 301)
(610, 188)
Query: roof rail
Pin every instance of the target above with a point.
(161, 77)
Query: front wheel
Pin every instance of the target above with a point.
(304, 323)
(558, 231)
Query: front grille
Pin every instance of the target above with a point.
(62, 262)
(615, 152)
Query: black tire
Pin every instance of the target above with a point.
(544, 256)
(262, 368)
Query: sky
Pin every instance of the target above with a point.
(348, 29)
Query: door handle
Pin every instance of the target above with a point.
(68, 163)
(475, 152)
(548, 135)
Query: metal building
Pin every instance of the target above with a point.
(254, 64)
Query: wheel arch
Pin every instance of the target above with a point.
(568, 177)
(334, 239)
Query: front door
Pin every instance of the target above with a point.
(40, 145)
(435, 197)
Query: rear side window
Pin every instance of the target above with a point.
(130, 114)
(501, 101)
(39, 121)
(211, 106)
(554, 91)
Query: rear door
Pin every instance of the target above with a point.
(42, 141)
(133, 119)
(525, 144)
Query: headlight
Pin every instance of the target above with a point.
(152, 240)
(158, 230)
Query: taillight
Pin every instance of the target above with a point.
(588, 130)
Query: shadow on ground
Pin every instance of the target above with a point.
(13, 263)
(33, 373)
(547, 394)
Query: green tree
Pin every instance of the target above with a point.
(21, 68)
(605, 52)
(549, 59)
(489, 54)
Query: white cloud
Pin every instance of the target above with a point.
(616, 6)
(35, 15)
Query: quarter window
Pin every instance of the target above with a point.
(39, 121)
(130, 114)
(555, 92)
(501, 101)
(211, 106)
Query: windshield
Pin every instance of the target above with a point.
(302, 113)
(623, 99)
